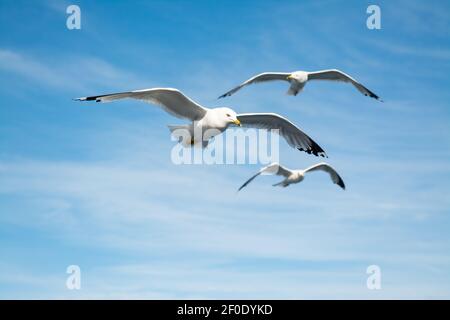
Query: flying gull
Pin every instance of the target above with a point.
(296, 176)
(298, 80)
(176, 103)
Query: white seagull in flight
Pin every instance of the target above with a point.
(298, 80)
(296, 176)
(176, 103)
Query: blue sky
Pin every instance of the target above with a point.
(93, 184)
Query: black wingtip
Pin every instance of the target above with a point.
(96, 98)
(340, 182)
(244, 185)
(317, 153)
(314, 149)
(372, 95)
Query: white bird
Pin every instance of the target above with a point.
(296, 176)
(176, 103)
(298, 80)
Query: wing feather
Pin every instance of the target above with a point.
(337, 75)
(329, 169)
(294, 136)
(171, 100)
(273, 168)
(262, 77)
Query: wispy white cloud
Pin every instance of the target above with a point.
(405, 50)
(75, 73)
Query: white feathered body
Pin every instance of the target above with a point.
(213, 119)
(205, 123)
(211, 125)
(297, 80)
(296, 177)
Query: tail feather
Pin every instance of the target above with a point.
(292, 91)
(183, 135)
(281, 184)
(173, 127)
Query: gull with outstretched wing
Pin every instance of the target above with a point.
(202, 119)
(298, 79)
(296, 176)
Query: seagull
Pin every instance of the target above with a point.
(298, 80)
(177, 104)
(296, 176)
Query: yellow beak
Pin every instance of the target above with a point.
(289, 77)
(237, 122)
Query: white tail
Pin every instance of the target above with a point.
(182, 133)
(295, 88)
(174, 127)
(292, 91)
(281, 184)
(185, 137)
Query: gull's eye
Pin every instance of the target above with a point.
(228, 115)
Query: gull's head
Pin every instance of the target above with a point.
(290, 77)
(229, 116)
(299, 76)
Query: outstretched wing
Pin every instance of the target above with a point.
(294, 136)
(337, 75)
(327, 168)
(171, 100)
(265, 76)
(273, 168)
